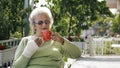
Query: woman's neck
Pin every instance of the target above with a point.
(38, 35)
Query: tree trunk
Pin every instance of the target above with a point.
(69, 28)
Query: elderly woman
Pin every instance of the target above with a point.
(34, 52)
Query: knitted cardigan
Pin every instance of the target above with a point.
(49, 55)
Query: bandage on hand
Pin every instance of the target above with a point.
(30, 48)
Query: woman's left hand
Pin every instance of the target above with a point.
(57, 37)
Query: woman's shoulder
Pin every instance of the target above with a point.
(27, 37)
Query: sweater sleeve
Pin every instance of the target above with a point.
(20, 61)
(70, 50)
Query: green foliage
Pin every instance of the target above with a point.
(11, 18)
(107, 48)
(17, 35)
(115, 25)
(79, 14)
(78, 39)
(115, 51)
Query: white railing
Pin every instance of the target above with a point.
(104, 43)
(10, 42)
(7, 55)
(101, 46)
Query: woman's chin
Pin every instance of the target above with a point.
(45, 29)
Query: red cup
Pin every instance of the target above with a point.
(46, 35)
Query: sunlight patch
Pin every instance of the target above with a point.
(55, 49)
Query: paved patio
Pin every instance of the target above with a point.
(95, 62)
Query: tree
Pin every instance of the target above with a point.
(115, 24)
(11, 18)
(75, 15)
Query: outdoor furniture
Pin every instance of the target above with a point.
(7, 55)
(105, 45)
(115, 45)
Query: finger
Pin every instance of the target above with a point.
(53, 34)
(53, 38)
(38, 41)
(57, 34)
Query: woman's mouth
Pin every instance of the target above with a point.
(44, 28)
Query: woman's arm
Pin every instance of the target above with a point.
(67, 49)
(20, 61)
(70, 50)
(24, 52)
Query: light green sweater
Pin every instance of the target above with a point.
(49, 55)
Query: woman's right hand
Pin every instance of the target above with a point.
(38, 41)
(31, 48)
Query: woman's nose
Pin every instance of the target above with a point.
(44, 25)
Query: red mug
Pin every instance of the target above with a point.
(46, 35)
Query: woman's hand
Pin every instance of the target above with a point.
(30, 48)
(38, 41)
(57, 37)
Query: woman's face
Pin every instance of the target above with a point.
(42, 22)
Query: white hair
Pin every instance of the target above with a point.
(36, 12)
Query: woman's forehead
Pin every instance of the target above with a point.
(43, 15)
